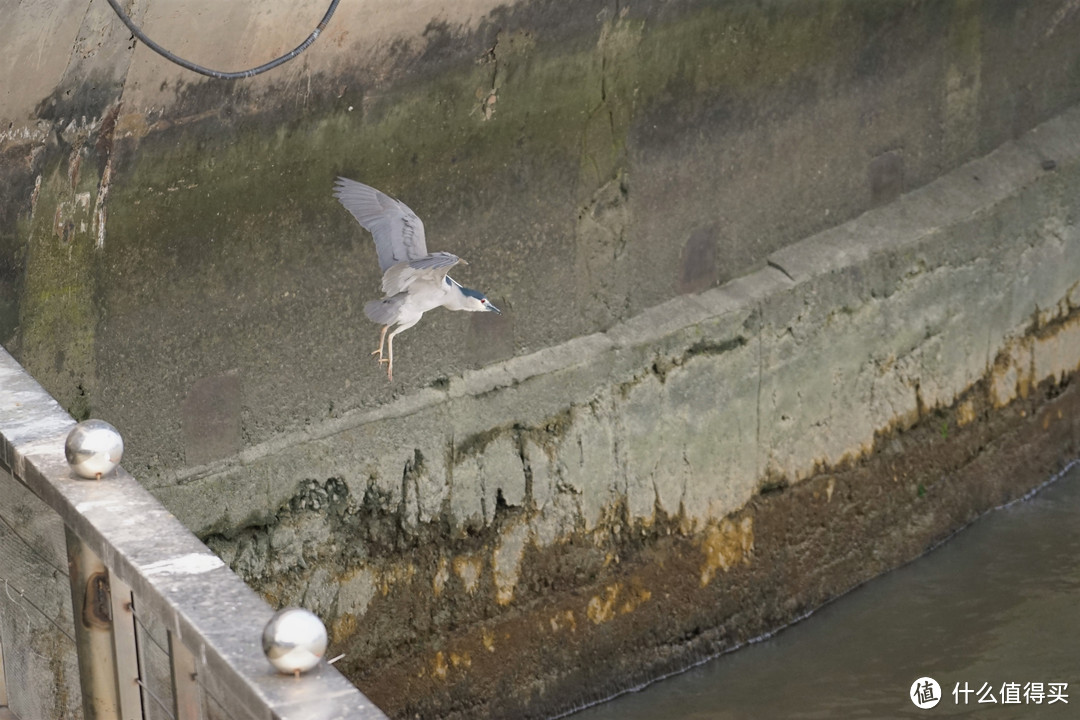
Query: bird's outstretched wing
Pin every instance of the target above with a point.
(398, 232)
(430, 268)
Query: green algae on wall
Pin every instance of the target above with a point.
(524, 158)
(58, 317)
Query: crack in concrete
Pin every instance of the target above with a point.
(777, 266)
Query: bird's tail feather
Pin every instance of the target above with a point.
(385, 311)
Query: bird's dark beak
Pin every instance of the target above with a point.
(492, 308)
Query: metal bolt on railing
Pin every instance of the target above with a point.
(93, 449)
(294, 640)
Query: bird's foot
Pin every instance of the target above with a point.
(379, 353)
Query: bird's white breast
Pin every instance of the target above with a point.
(425, 295)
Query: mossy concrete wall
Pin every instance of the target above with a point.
(633, 184)
(569, 522)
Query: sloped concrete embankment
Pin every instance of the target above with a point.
(566, 524)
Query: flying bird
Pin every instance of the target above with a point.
(414, 280)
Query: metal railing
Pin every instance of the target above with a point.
(157, 626)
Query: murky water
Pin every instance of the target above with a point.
(998, 604)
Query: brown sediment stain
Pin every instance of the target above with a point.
(344, 626)
(604, 606)
(656, 576)
(395, 574)
(659, 586)
(1048, 353)
(637, 597)
(132, 124)
(724, 545)
(443, 662)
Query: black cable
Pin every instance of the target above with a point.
(216, 73)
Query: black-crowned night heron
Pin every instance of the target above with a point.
(414, 281)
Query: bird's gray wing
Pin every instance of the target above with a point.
(428, 269)
(398, 232)
(385, 311)
(436, 261)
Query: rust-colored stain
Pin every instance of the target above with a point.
(439, 668)
(442, 663)
(965, 413)
(604, 606)
(636, 598)
(395, 574)
(344, 626)
(131, 124)
(1049, 353)
(564, 621)
(97, 607)
(601, 608)
(724, 545)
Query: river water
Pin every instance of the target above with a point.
(994, 611)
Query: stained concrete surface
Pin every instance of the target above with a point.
(669, 201)
(631, 153)
(905, 338)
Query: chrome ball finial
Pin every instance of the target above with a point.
(294, 640)
(93, 448)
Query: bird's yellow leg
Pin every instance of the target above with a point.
(382, 339)
(390, 359)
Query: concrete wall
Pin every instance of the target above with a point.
(701, 324)
(494, 514)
